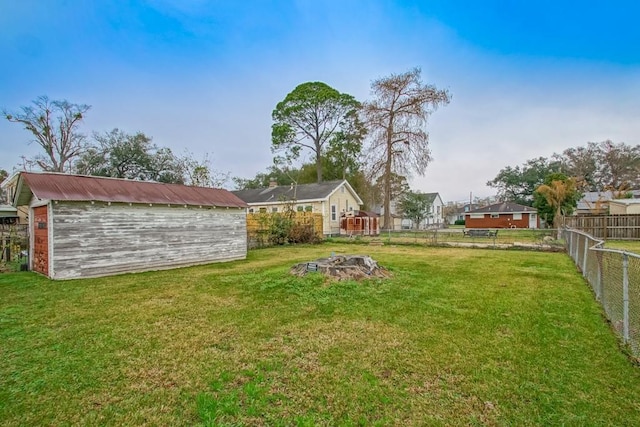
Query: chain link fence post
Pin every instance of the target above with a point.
(625, 297)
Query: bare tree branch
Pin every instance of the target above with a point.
(53, 125)
(396, 117)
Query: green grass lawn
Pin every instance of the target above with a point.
(455, 236)
(625, 245)
(455, 337)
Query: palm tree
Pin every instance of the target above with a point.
(556, 194)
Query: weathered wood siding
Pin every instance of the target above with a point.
(99, 239)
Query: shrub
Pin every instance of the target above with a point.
(302, 233)
(459, 222)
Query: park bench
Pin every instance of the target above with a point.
(480, 232)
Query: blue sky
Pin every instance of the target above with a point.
(528, 78)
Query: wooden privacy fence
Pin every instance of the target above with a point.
(616, 227)
(267, 228)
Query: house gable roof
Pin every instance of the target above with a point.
(65, 187)
(300, 193)
(504, 207)
(431, 197)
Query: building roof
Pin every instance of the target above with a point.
(359, 213)
(8, 211)
(627, 202)
(430, 197)
(504, 207)
(65, 187)
(594, 200)
(598, 200)
(299, 193)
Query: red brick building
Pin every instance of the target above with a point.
(502, 215)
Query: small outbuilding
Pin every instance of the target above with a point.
(502, 215)
(624, 207)
(359, 223)
(86, 226)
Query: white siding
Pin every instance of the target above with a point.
(99, 239)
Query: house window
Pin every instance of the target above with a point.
(250, 210)
(263, 210)
(476, 216)
(495, 215)
(342, 189)
(517, 215)
(308, 208)
(334, 211)
(274, 210)
(346, 205)
(299, 208)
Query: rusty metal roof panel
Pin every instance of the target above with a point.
(58, 186)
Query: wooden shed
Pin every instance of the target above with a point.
(85, 226)
(359, 223)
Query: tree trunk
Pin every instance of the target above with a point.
(318, 161)
(556, 222)
(387, 184)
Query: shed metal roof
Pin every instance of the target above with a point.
(58, 186)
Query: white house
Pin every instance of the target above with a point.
(435, 217)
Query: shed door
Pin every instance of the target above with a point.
(40, 240)
(533, 220)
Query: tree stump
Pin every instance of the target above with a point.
(343, 267)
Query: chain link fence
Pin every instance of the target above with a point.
(614, 277)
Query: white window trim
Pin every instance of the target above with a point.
(334, 213)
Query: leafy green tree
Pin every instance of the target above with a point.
(54, 126)
(316, 117)
(262, 179)
(397, 118)
(582, 164)
(121, 155)
(518, 184)
(595, 167)
(415, 206)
